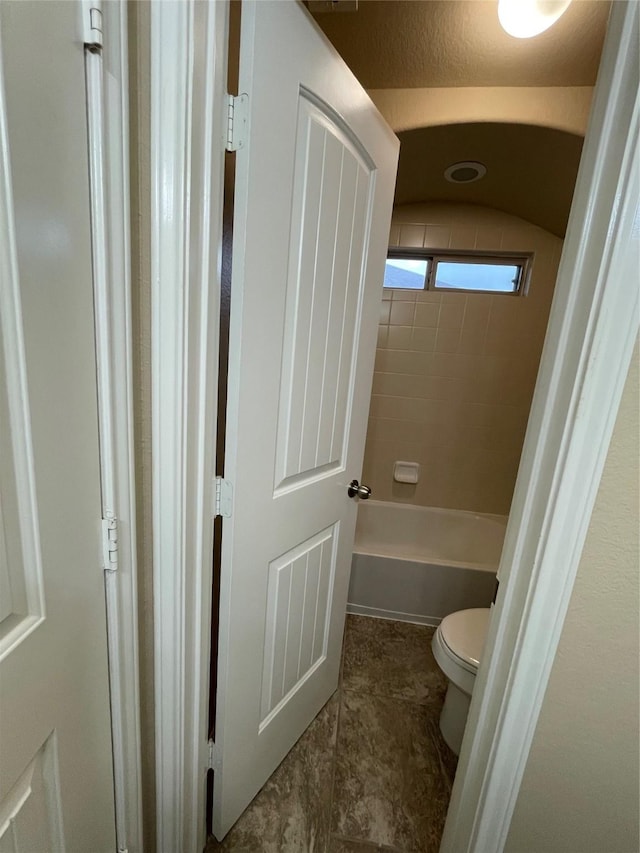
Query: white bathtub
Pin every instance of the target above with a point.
(418, 564)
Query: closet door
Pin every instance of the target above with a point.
(56, 777)
(313, 197)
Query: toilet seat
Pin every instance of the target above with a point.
(464, 634)
(457, 645)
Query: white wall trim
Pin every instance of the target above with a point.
(171, 60)
(592, 331)
(188, 79)
(108, 124)
(394, 615)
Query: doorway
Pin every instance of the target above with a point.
(184, 31)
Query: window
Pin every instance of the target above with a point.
(406, 273)
(417, 269)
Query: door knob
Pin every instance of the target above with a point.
(356, 490)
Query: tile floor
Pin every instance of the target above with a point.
(372, 771)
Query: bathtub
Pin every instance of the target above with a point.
(418, 564)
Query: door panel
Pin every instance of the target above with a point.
(22, 602)
(56, 778)
(31, 814)
(314, 189)
(331, 201)
(298, 598)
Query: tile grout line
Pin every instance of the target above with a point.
(335, 746)
(387, 696)
(371, 844)
(333, 773)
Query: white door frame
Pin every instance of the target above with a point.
(593, 325)
(106, 70)
(188, 134)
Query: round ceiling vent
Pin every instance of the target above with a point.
(465, 173)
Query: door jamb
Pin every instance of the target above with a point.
(592, 330)
(187, 138)
(575, 404)
(107, 81)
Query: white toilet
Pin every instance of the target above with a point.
(457, 646)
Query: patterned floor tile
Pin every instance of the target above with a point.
(372, 768)
(291, 812)
(386, 658)
(389, 786)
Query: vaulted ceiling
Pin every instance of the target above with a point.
(531, 170)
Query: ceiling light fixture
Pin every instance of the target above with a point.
(526, 18)
(465, 172)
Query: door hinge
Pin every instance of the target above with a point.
(224, 498)
(213, 757)
(92, 24)
(237, 121)
(213, 761)
(110, 544)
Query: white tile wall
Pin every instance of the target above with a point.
(455, 372)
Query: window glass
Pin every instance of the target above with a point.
(493, 277)
(406, 273)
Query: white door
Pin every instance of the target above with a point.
(56, 779)
(314, 191)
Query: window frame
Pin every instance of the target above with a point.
(522, 259)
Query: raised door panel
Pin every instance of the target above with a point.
(31, 814)
(21, 587)
(332, 186)
(298, 601)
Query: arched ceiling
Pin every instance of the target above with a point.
(531, 171)
(396, 44)
(422, 55)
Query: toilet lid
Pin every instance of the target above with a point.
(464, 633)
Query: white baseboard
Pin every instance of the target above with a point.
(377, 613)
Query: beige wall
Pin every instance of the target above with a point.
(139, 69)
(580, 792)
(560, 107)
(455, 372)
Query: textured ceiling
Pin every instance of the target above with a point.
(425, 43)
(531, 171)
(405, 44)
